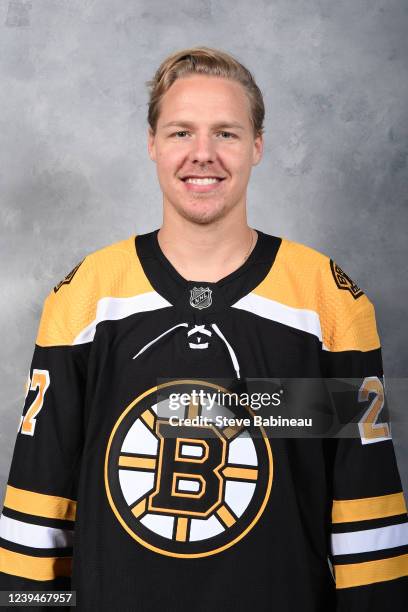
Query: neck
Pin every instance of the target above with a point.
(206, 252)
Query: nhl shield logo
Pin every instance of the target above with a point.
(200, 297)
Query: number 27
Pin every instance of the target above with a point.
(370, 429)
(39, 382)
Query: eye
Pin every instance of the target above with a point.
(228, 134)
(179, 132)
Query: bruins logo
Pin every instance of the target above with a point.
(344, 282)
(68, 278)
(183, 490)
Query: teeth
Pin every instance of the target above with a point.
(203, 181)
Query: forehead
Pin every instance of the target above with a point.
(195, 96)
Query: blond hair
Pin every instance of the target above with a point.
(211, 62)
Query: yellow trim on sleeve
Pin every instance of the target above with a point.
(39, 504)
(365, 509)
(34, 568)
(359, 574)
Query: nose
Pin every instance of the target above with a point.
(202, 148)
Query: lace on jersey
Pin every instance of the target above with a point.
(201, 329)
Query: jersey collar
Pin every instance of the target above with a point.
(203, 296)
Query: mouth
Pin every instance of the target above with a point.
(202, 184)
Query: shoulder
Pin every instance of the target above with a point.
(113, 271)
(305, 279)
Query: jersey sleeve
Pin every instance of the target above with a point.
(37, 524)
(369, 523)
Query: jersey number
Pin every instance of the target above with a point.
(370, 430)
(40, 383)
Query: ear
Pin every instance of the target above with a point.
(151, 146)
(258, 149)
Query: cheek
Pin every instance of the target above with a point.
(170, 160)
(238, 158)
(240, 167)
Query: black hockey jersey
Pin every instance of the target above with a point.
(139, 504)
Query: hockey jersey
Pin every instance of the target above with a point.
(112, 497)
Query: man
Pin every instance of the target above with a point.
(138, 504)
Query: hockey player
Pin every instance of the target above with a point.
(106, 496)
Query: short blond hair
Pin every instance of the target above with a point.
(212, 62)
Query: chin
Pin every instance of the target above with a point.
(202, 212)
(203, 216)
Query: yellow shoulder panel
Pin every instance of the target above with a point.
(303, 278)
(114, 271)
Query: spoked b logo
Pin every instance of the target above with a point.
(183, 490)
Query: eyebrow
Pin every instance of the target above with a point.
(219, 125)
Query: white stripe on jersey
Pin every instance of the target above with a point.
(35, 536)
(112, 309)
(298, 318)
(368, 540)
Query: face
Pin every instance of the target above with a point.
(204, 130)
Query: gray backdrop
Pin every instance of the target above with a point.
(75, 174)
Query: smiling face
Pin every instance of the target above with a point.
(204, 130)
